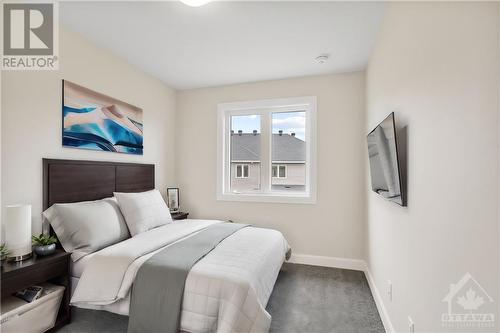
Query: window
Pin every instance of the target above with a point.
(241, 171)
(267, 150)
(279, 171)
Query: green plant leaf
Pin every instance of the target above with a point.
(42, 240)
(3, 251)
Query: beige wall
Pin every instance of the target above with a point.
(31, 118)
(333, 226)
(437, 66)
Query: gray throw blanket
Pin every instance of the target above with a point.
(158, 288)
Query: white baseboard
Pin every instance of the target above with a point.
(354, 264)
(345, 263)
(384, 315)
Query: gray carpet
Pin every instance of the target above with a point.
(306, 299)
(319, 299)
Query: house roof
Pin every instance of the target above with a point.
(286, 147)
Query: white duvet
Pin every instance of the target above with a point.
(226, 291)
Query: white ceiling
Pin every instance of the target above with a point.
(230, 42)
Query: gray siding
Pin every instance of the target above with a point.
(295, 174)
(251, 183)
(295, 177)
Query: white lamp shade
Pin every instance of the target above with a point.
(18, 230)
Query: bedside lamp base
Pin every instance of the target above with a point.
(20, 258)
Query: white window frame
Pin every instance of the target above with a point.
(264, 108)
(278, 171)
(242, 171)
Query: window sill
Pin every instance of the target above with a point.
(288, 198)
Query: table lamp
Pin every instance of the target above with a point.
(18, 231)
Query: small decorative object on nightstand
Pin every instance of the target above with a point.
(18, 231)
(55, 269)
(173, 199)
(44, 244)
(179, 215)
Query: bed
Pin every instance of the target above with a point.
(226, 291)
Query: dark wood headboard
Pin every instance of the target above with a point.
(67, 181)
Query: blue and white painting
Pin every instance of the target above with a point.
(95, 121)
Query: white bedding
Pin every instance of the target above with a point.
(77, 267)
(226, 291)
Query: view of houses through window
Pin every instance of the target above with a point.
(288, 152)
(245, 153)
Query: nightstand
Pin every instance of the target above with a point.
(179, 215)
(54, 268)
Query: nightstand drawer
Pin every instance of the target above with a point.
(23, 278)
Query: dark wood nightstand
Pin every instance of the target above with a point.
(179, 215)
(54, 268)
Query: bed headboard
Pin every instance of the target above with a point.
(67, 181)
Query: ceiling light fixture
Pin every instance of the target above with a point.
(195, 3)
(321, 59)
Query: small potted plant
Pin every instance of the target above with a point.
(3, 253)
(44, 244)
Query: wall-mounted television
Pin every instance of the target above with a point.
(385, 169)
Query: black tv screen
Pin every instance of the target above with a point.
(384, 164)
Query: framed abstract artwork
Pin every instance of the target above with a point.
(92, 120)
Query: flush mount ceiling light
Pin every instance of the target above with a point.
(321, 59)
(195, 3)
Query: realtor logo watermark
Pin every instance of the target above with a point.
(469, 305)
(30, 36)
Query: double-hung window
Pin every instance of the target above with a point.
(267, 150)
(279, 171)
(241, 171)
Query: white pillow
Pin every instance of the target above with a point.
(88, 226)
(143, 211)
